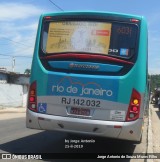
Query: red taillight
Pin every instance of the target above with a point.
(32, 97)
(48, 17)
(134, 106)
(134, 20)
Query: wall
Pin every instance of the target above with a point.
(14, 78)
(3, 78)
(12, 95)
(20, 79)
(23, 80)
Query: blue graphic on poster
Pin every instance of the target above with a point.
(124, 52)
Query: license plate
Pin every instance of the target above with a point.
(80, 111)
(81, 102)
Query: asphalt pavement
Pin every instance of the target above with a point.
(12, 112)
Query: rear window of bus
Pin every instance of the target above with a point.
(115, 39)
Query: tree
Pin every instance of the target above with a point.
(154, 81)
(27, 71)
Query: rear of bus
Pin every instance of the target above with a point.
(89, 74)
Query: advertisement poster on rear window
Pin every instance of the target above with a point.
(78, 36)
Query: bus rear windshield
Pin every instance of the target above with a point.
(105, 38)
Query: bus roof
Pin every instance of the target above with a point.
(100, 13)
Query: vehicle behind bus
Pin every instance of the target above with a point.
(89, 74)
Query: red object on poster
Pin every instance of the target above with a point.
(101, 32)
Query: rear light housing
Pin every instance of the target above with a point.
(48, 17)
(32, 97)
(134, 106)
(134, 20)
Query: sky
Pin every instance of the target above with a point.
(19, 22)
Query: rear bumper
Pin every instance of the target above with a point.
(123, 130)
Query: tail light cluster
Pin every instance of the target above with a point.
(32, 97)
(134, 106)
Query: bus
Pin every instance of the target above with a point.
(89, 74)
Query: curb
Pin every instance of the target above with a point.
(150, 139)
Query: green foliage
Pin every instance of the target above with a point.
(27, 71)
(154, 81)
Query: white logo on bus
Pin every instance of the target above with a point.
(82, 91)
(113, 50)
